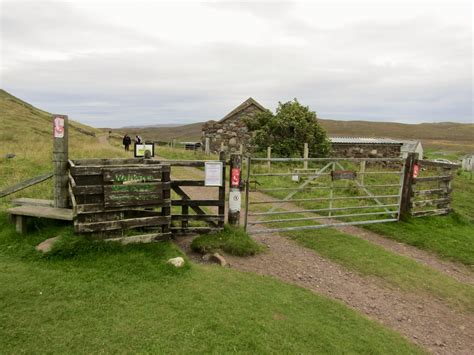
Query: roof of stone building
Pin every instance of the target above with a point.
(363, 140)
(249, 102)
(410, 145)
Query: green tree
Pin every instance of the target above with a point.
(287, 130)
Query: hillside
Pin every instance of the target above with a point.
(455, 136)
(21, 121)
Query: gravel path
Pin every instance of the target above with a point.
(421, 318)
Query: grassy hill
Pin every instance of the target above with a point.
(27, 133)
(448, 135)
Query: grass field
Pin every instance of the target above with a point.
(96, 297)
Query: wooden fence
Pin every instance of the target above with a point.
(427, 187)
(110, 195)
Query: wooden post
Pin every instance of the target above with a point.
(407, 188)
(207, 148)
(60, 158)
(222, 146)
(306, 156)
(221, 208)
(166, 210)
(233, 215)
(269, 156)
(362, 172)
(241, 149)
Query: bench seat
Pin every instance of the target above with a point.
(21, 213)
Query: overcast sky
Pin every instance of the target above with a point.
(119, 63)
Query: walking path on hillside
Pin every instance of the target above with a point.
(422, 318)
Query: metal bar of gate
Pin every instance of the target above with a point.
(370, 197)
(321, 210)
(319, 188)
(327, 159)
(287, 229)
(247, 189)
(327, 174)
(320, 217)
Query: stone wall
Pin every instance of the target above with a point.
(354, 150)
(230, 132)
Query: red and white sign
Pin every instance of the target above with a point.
(235, 177)
(58, 129)
(416, 170)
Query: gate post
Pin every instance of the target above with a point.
(233, 216)
(60, 158)
(407, 190)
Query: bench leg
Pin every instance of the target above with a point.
(20, 224)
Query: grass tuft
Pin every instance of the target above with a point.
(231, 240)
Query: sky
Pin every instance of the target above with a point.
(124, 63)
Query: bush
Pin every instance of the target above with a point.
(231, 240)
(288, 130)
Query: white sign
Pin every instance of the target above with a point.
(58, 128)
(295, 178)
(234, 200)
(213, 173)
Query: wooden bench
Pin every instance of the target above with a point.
(21, 213)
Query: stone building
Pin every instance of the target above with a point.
(361, 147)
(230, 132)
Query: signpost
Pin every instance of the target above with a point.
(60, 158)
(141, 149)
(234, 190)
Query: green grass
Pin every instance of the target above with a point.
(395, 270)
(451, 236)
(231, 240)
(96, 297)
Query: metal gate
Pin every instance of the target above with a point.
(285, 194)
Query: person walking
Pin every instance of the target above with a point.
(126, 142)
(138, 139)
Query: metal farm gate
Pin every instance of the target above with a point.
(285, 194)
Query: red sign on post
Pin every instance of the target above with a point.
(58, 129)
(235, 177)
(416, 170)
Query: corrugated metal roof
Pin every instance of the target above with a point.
(363, 140)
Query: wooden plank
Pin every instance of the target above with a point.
(24, 184)
(196, 217)
(198, 203)
(122, 224)
(142, 238)
(113, 161)
(133, 174)
(438, 164)
(73, 201)
(88, 190)
(132, 199)
(83, 180)
(85, 170)
(433, 178)
(199, 230)
(42, 212)
(32, 202)
(423, 203)
(430, 192)
(99, 207)
(436, 212)
(177, 183)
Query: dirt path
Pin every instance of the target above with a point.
(423, 319)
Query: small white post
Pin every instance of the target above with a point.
(306, 155)
(208, 146)
(269, 156)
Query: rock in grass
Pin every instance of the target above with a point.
(10, 156)
(176, 262)
(219, 259)
(46, 245)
